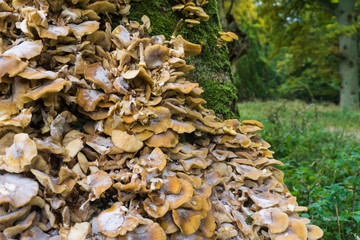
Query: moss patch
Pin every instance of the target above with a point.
(213, 70)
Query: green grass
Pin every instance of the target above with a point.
(320, 147)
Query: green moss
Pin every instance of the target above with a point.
(220, 96)
(213, 70)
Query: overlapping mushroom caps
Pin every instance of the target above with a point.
(103, 137)
(193, 10)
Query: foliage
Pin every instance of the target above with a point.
(305, 43)
(320, 147)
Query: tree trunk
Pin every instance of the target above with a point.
(236, 48)
(213, 69)
(348, 49)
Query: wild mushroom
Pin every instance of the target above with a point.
(17, 190)
(114, 221)
(295, 230)
(97, 182)
(84, 28)
(166, 139)
(145, 232)
(185, 195)
(19, 155)
(26, 49)
(11, 66)
(155, 55)
(99, 76)
(314, 232)
(125, 141)
(187, 220)
(273, 218)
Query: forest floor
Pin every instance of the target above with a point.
(320, 148)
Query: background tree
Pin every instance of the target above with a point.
(316, 35)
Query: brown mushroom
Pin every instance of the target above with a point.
(99, 76)
(166, 139)
(49, 87)
(97, 182)
(113, 222)
(26, 49)
(125, 141)
(19, 154)
(11, 66)
(185, 195)
(155, 55)
(84, 28)
(295, 230)
(273, 218)
(187, 220)
(145, 232)
(17, 190)
(314, 232)
(88, 98)
(154, 210)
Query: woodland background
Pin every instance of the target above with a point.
(289, 79)
(287, 71)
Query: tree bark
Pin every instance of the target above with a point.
(348, 49)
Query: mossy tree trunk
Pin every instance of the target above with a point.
(213, 70)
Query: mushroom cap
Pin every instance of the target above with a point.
(296, 230)
(208, 226)
(171, 185)
(26, 49)
(154, 210)
(139, 73)
(157, 124)
(187, 220)
(156, 159)
(11, 66)
(37, 73)
(19, 154)
(17, 190)
(314, 232)
(13, 216)
(102, 6)
(88, 99)
(154, 55)
(113, 222)
(20, 226)
(186, 193)
(99, 76)
(49, 87)
(98, 182)
(232, 35)
(148, 231)
(276, 220)
(167, 139)
(125, 141)
(189, 48)
(84, 28)
(79, 231)
(182, 127)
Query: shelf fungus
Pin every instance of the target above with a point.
(102, 136)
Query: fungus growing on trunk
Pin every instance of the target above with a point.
(94, 117)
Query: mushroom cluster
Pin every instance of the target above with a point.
(104, 138)
(193, 10)
(226, 37)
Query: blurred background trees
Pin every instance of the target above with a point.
(298, 74)
(293, 49)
